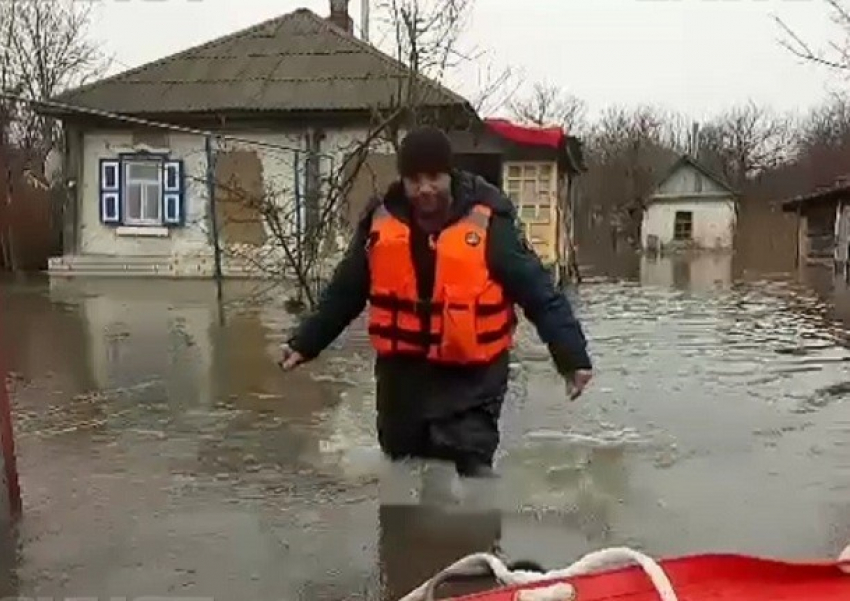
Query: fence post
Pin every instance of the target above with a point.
(10, 499)
(299, 225)
(211, 185)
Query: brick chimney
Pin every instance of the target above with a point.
(339, 16)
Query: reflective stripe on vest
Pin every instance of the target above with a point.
(467, 320)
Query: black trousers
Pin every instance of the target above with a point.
(468, 438)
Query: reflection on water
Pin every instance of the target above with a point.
(699, 273)
(416, 542)
(162, 451)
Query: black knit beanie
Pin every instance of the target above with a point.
(425, 150)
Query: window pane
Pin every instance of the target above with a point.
(544, 213)
(528, 212)
(529, 191)
(683, 225)
(152, 201)
(134, 202)
(539, 232)
(171, 177)
(110, 176)
(146, 171)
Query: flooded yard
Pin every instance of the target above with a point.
(163, 453)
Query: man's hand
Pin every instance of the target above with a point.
(578, 382)
(290, 359)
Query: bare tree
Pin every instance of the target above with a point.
(821, 154)
(424, 41)
(548, 105)
(9, 80)
(45, 50)
(425, 37)
(746, 140)
(308, 220)
(827, 125)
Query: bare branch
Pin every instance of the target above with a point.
(548, 105)
(746, 140)
(45, 51)
(837, 53)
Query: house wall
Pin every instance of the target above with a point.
(713, 221)
(689, 189)
(276, 168)
(687, 181)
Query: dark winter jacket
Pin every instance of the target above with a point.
(413, 382)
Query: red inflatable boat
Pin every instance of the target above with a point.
(694, 578)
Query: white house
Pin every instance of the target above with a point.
(690, 208)
(289, 100)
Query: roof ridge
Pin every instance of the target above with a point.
(258, 78)
(186, 51)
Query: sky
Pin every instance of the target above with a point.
(696, 57)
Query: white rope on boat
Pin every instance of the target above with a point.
(481, 564)
(844, 559)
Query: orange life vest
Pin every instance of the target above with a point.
(468, 319)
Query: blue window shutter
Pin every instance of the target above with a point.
(173, 196)
(110, 191)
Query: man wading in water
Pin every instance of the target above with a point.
(441, 263)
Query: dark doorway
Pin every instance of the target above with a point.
(487, 165)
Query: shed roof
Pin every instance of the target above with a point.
(295, 62)
(840, 189)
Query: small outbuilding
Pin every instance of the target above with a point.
(691, 208)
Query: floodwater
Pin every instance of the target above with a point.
(163, 453)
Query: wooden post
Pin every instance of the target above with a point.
(10, 503)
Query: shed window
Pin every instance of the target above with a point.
(683, 225)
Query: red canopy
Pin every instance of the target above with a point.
(550, 137)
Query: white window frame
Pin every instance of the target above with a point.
(127, 181)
